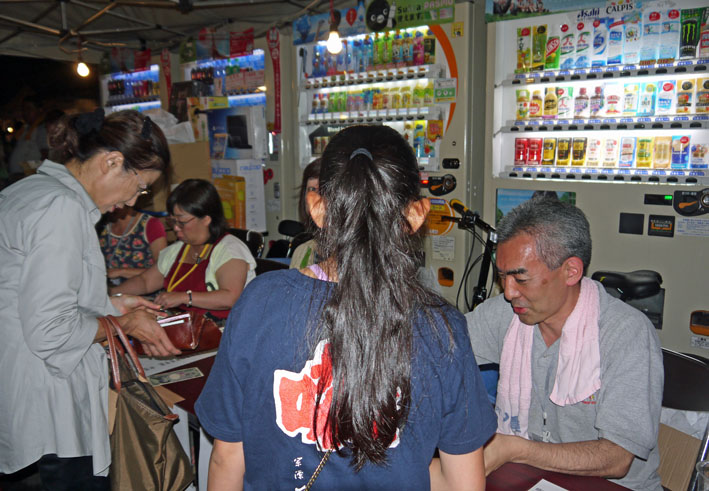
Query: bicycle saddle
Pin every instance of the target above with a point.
(635, 284)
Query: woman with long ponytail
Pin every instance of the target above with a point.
(350, 371)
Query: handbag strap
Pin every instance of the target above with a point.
(127, 345)
(112, 353)
(317, 470)
(113, 328)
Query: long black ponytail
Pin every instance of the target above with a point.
(368, 178)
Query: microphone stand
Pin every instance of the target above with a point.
(469, 221)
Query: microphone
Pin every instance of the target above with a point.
(458, 206)
(470, 218)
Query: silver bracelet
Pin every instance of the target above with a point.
(189, 294)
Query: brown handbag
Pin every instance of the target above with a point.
(188, 331)
(145, 451)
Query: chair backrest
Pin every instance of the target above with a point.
(301, 238)
(265, 265)
(290, 228)
(687, 389)
(253, 240)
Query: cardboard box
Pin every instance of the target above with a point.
(678, 454)
(189, 161)
(232, 190)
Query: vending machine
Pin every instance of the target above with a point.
(422, 81)
(138, 90)
(609, 109)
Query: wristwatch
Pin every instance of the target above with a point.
(189, 294)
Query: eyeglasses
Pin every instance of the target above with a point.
(143, 189)
(174, 222)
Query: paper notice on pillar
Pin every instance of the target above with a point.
(443, 247)
(252, 172)
(697, 227)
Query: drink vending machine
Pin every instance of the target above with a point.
(421, 81)
(611, 110)
(138, 90)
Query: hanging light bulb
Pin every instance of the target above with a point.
(334, 44)
(82, 69)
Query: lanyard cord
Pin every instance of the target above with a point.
(171, 285)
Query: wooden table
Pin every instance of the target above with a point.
(190, 389)
(512, 477)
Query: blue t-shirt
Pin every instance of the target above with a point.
(260, 391)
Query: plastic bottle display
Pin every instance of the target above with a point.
(685, 96)
(630, 99)
(582, 106)
(646, 102)
(627, 151)
(522, 112)
(539, 43)
(662, 155)
(536, 105)
(534, 155)
(429, 47)
(419, 54)
(643, 36)
(565, 102)
(550, 103)
(596, 102)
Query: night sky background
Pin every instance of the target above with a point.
(48, 79)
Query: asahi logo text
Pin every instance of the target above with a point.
(586, 13)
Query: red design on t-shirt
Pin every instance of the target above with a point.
(295, 394)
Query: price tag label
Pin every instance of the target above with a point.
(444, 90)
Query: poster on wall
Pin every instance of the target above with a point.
(498, 10)
(507, 199)
(237, 133)
(255, 196)
(413, 13)
(311, 28)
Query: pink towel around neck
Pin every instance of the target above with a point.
(578, 371)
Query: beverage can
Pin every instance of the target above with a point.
(534, 155)
(521, 150)
(662, 154)
(593, 151)
(563, 151)
(644, 152)
(627, 151)
(680, 151)
(610, 152)
(578, 150)
(549, 151)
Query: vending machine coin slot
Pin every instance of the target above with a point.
(691, 203)
(440, 185)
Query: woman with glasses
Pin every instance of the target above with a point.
(53, 371)
(207, 268)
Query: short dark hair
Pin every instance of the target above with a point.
(200, 198)
(312, 170)
(560, 230)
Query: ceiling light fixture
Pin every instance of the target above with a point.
(334, 44)
(81, 68)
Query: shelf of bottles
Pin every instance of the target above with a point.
(379, 78)
(242, 78)
(133, 90)
(620, 98)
